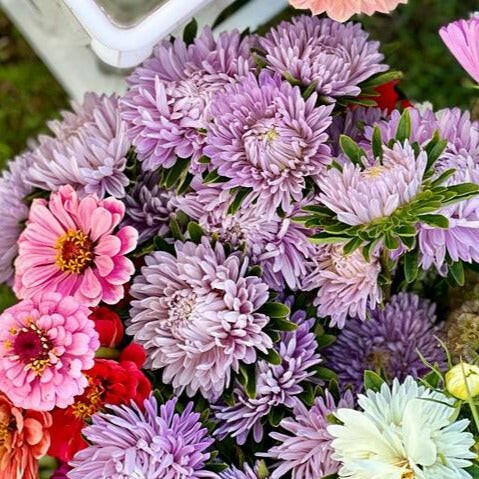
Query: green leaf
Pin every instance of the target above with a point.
(325, 238)
(325, 374)
(174, 173)
(275, 310)
(456, 272)
(443, 177)
(377, 143)
(190, 31)
(271, 357)
(352, 245)
(248, 379)
(351, 149)
(204, 160)
(325, 340)
(473, 471)
(372, 381)
(382, 78)
(241, 194)
(276, 415)
(282, 324)
(411, 265)
(434, 150)
(403, 131)
(310, 90)
(438, 221)
(176, 230)
(214, 177)
(195, 231)
(391, 242)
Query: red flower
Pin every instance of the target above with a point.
(389, 97)
(109, 327)
(110, 382)
(134, 352)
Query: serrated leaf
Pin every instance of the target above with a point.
(351, 149)
(372, 381)
(403, 131)
(411, 265)
(190, 31)
(240, 195)
(275, 310)
(438, 221)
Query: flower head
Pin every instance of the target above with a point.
(196, 314)
(70, 246)
(388, 342)
(88, 150)
(404, 431)
(461, 38)
(276, 386)
(108, 325)
(167, 105)
(24, 439)
(462, 381)
(336, 57)
(128, 443)
(266, 137)
(348, 284)
(13, 190)
(462, 332)
(45, 344)
(305, 449)
(235, 473)
(342, 10)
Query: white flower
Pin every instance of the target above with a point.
(404, 433)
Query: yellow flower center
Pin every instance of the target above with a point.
(4, 433)
(74, 252)
(89, 402)
(373, 171)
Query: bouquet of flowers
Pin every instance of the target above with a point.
(260, 262)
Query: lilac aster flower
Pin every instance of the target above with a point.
(360, 195)
(275, 385)
(130, 443)
(235, 473)
(305, 449)
(337, 57)
(265, 136)
(88, 150)
(167, 106)
(13, 190)
(388, 342)
(279, 245)
(196, 314)
(149, 207)
(348, 284)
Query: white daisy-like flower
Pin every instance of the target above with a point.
(403, 432)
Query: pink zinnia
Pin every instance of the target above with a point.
(69, 246)
(342, 10)
(45, 344)
(462, 39)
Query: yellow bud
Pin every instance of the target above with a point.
(462, 377)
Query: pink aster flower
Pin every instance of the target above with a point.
(69, 246)
(45, 344)
(462, 39)
(342, 10)
(348, 284)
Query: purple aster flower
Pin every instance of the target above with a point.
(167, 105)
(388, 342)
(265, 136)
(13, 190)
(149, 207)
(305, 449)
(348, 284)
(88, 150)
(130, 443)
(275, 385)
(359, 195)
(337, 57)
(235, 473)
(196, 315)
(278, 244)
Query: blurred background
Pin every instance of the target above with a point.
(30, 95)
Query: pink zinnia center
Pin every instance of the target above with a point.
(75, 252)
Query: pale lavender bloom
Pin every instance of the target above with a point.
(278, 244)
(167, 105)
(13, 190)
(196, 315)
(235, 473)
(462, 39)
(305, 449)
(149, 207)
(388, 342)
(88, 150)
(337, 57)
(348, 284)
(359, 195)
(275, 385)
(265, 136)
(129, 443)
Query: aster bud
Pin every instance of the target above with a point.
(462, 381)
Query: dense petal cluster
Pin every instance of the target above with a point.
(388, 342)
(196, 314)
(71, 246)
(403, 431)
(157, 442)
(87, 150)
(167, 107)
(276, 386)
(235, 473)
(45, 345)
(337, 58)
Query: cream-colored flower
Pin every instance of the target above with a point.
(462, 380)
(403, 432)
